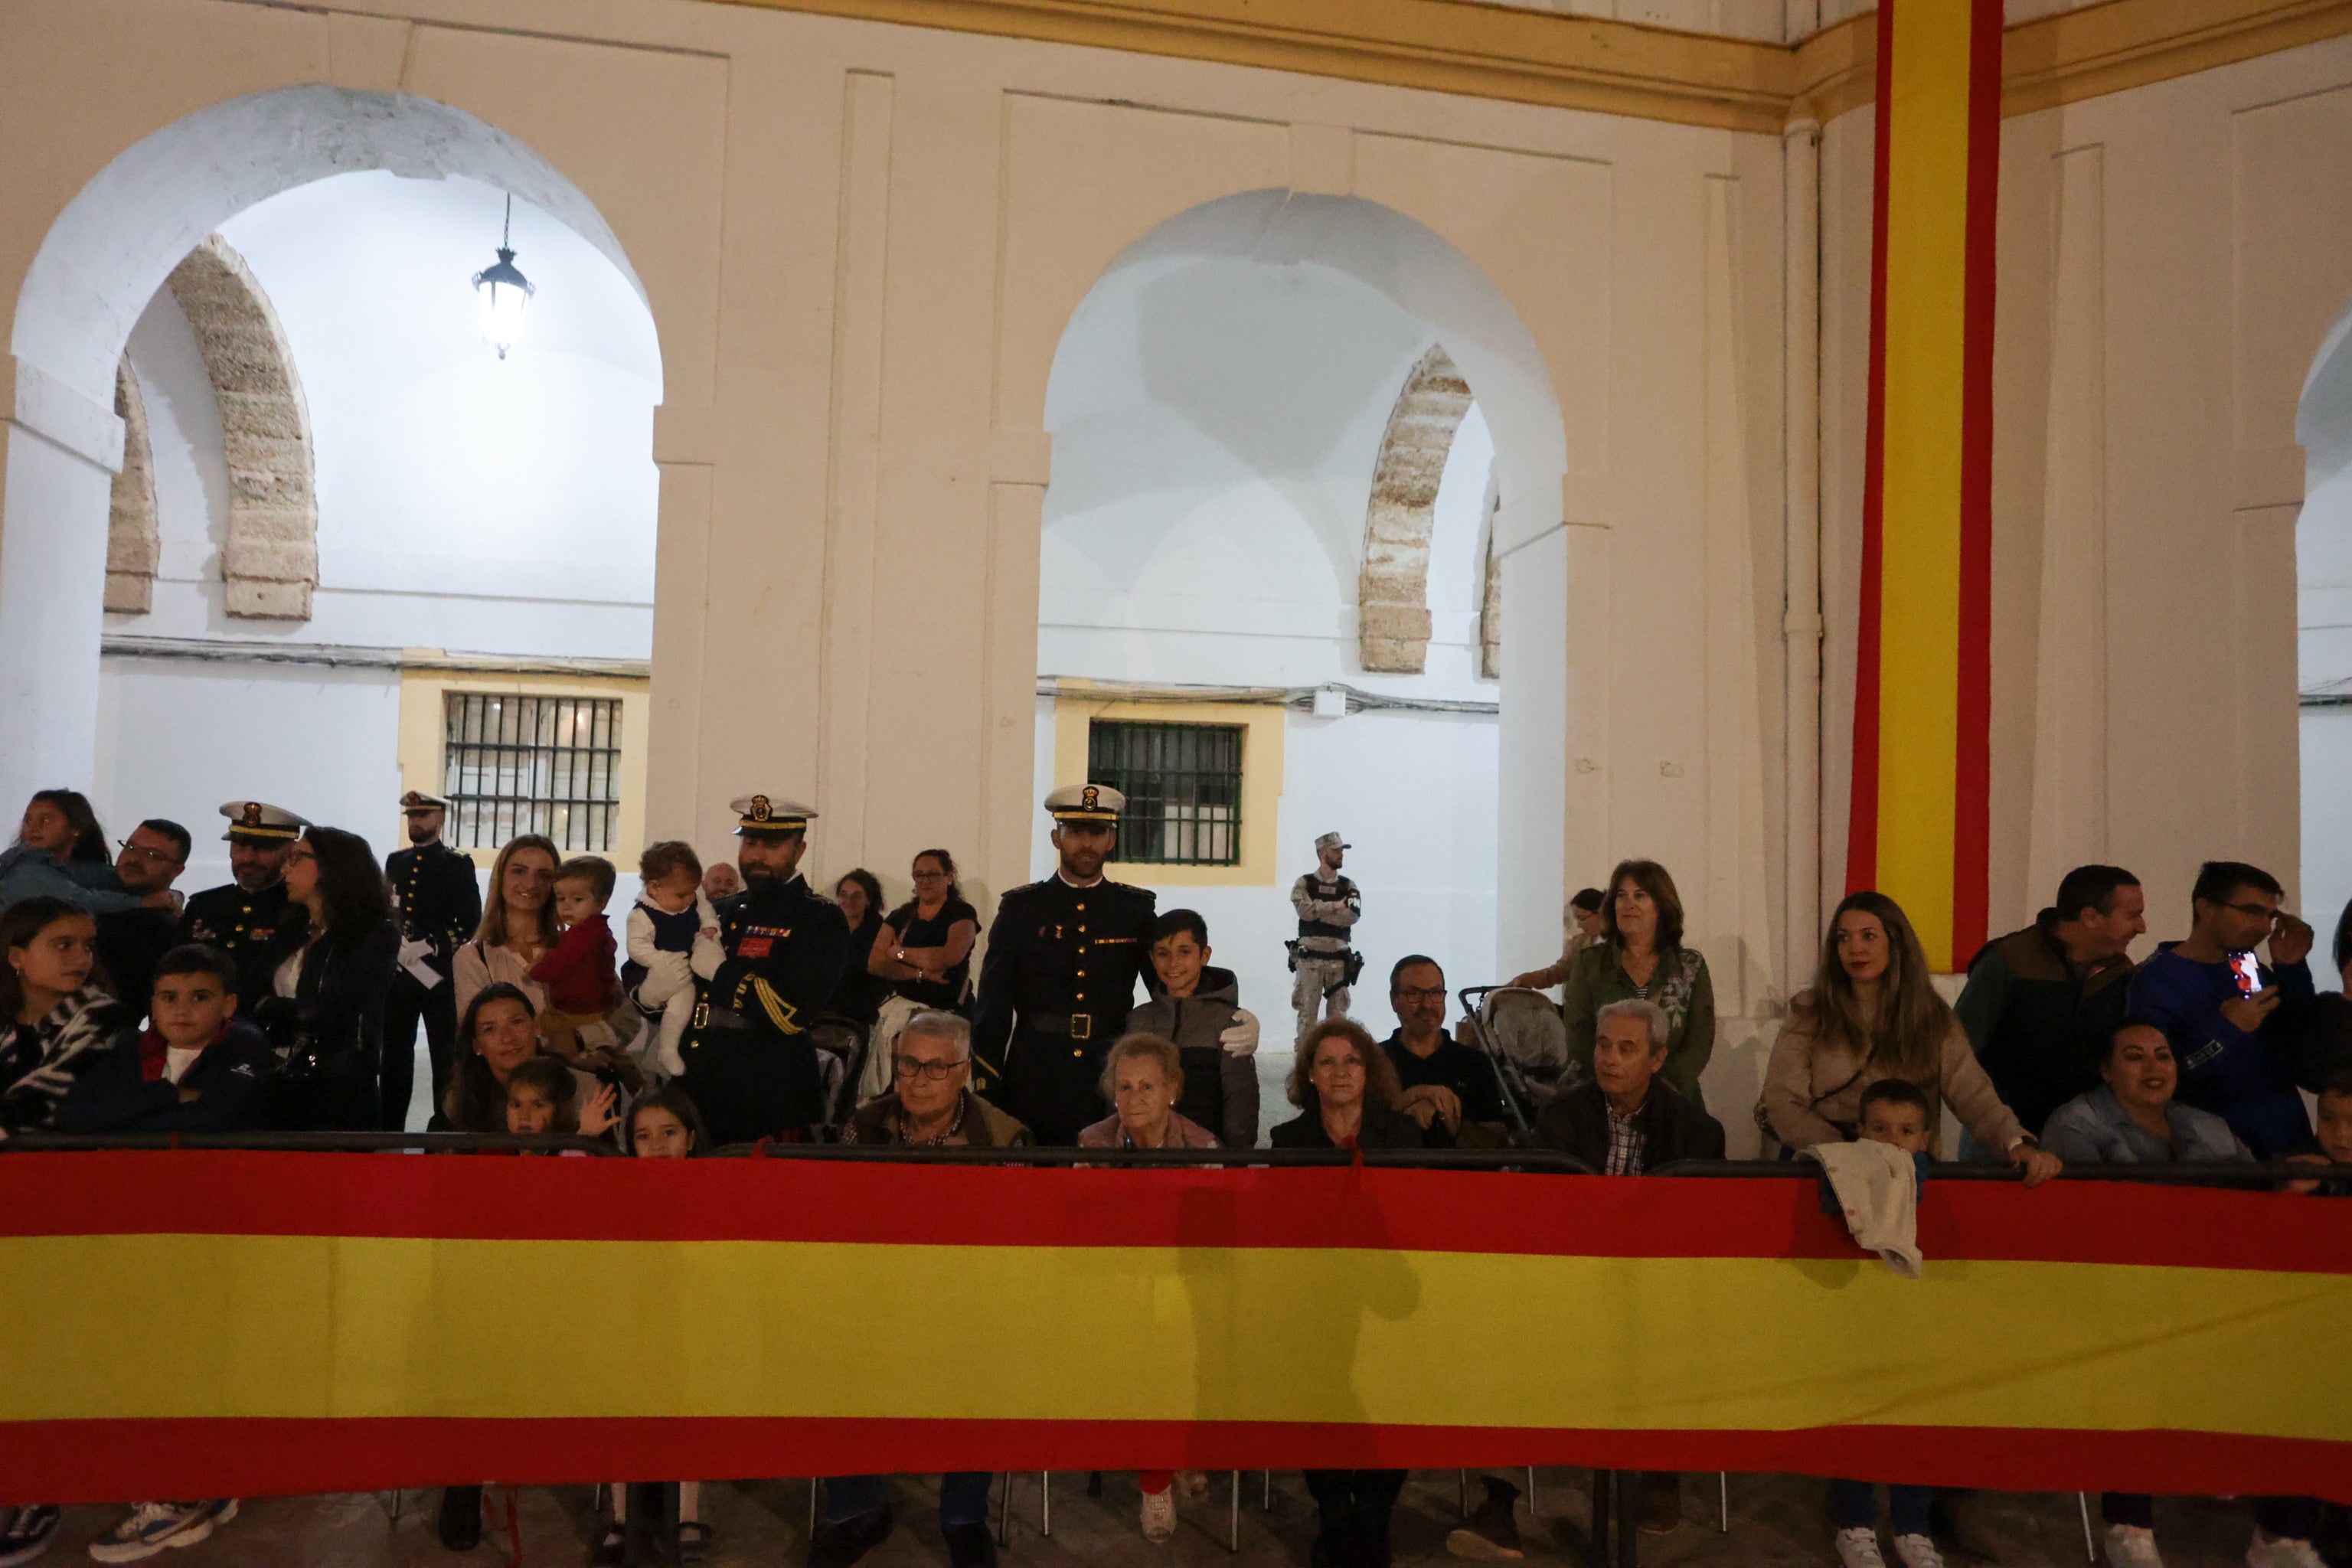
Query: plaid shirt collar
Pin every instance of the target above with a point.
(1627, 1144)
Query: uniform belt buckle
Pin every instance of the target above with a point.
(1082, 1026)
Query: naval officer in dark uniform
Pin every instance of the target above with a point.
(751, 1067)
(1063, 956)
(242, 917)
(440, 911)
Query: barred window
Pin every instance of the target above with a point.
(515, 764)
(1183, 789)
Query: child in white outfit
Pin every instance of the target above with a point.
(670, 915)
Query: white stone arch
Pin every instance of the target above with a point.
(104, 257)
(1488, 340)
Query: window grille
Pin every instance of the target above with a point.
(513, 764)
(1183, 789)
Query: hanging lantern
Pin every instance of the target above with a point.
(502, 292)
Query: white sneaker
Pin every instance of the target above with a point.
(1917, 1552)
(1159, 1515)
(2131, 1546)
(1194, 1483)
(1858, 1548)
(151, 1526)
(2282, 1552)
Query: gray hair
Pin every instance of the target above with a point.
(1653, 1018)
(941, 1027)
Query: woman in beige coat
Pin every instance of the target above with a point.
(1873, 1013)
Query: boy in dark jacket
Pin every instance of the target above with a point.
(196, 1067)
(1197, 1009)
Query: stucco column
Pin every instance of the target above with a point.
(62, 450)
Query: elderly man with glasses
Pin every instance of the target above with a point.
(933, 1106)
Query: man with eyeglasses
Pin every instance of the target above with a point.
(931, 1105)
(242, 916)
(2230, 1035)
(131, 943)
(1446, 1084)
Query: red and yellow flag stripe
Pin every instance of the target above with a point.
(1920, 823)
(245, 1324)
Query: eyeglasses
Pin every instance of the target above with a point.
(298, 853)
(915, 1067)
(930, 875)
(144, 853)
(2255, 911)
(1420, 993)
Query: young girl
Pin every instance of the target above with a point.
(661, 1125)
(543, 1096)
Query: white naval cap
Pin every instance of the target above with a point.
(258, 821)
(1085, 803)
(1331, 841)
(769, 814)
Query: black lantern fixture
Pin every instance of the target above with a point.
(502, 292)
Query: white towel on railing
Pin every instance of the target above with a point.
(1877, 1186)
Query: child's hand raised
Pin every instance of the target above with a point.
(596, 1115)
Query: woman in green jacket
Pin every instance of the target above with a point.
(1641, 955)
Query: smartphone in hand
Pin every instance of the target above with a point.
(2247, 972)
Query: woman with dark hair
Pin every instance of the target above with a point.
(1343, 1085)
(54, 1021)
(1872, 1013)
(1640, 958)
(497, 1033)
(517, 930)
(859, 996)
(924, 949)
(60, 853)
(1580, 926)
(332, 968)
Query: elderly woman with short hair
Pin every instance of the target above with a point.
(1344, 1086)
(1143, 1078)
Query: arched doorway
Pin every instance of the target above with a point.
(1300, 445)
(98, 271)
(2323, 537)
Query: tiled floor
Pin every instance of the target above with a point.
(1775, 1520)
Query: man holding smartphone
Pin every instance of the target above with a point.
(2235, 1059)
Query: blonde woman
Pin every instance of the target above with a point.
(1872, 1013)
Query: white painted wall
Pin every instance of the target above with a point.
(466, 504)
(1216, 420)
(2323, 627)
(465, 501)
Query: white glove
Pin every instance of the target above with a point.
(1241, 1038)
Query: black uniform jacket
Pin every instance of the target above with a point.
(786, 947)
(1060, 978)
(440, 901)
(244, 925)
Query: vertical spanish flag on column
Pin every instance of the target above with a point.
(1922, 709)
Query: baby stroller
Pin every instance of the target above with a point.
(1521, 1032)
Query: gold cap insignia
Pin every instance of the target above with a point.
(251, 815)
(1093, 798)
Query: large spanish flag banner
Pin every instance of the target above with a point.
(1921, 712)
(205, 1324)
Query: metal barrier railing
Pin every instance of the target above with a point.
(1548, 1162)
(2201, 1174)
(311, 1143)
